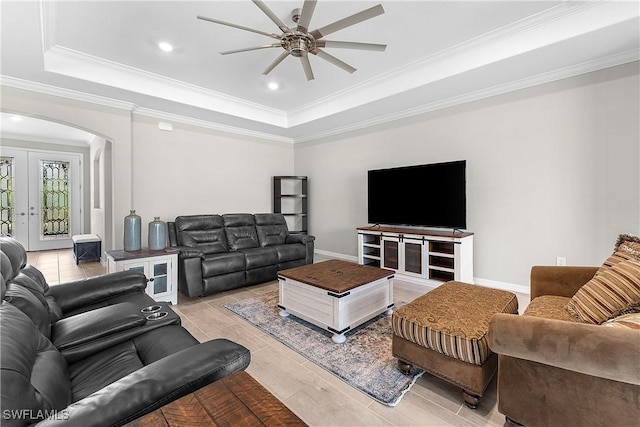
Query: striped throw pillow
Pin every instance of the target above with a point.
(608, 294)
(627, 247)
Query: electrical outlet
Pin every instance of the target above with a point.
(560, 260)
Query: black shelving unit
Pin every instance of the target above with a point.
(290, 196)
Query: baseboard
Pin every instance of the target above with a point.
(336, 255)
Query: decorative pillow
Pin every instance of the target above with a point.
(627, 247)
(608, 294)
(629, 320)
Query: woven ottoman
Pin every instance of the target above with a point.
(444, 332)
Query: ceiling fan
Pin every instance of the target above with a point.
(299, 41)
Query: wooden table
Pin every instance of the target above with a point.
(335, 295)
(236, 400)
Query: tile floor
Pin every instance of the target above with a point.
(315, 395)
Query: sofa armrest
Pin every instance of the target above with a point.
(72, 295)
(299, 238)
(155, 385)
(188, 252)
(599, 351)
(84, 327)
(561, 281)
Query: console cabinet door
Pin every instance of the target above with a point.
(160, 273)
(413, 257)
(391, 253)
(404, 254)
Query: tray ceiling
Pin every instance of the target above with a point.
(439, 53)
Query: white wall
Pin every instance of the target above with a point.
(551, 171)
(97, 185)
(188, 171)
(193, 170)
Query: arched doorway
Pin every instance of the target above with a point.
(45, 213)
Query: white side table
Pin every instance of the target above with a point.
(160, 267)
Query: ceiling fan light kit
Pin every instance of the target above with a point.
(299, 42)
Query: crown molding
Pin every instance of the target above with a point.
(43, 139)
(69, 62)
(567, 72)
(65, 93)
(176, 118)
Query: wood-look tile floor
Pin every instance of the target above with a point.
(315, 395)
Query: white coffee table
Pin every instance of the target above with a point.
(335, 295)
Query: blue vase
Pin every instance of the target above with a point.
(157, 234)
(132, 232)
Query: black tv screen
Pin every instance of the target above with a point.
(432, 195)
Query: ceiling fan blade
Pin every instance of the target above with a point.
(275, 63)
(247, 49)
(348, 21)
(351, 45)
(305, 16)
(335, 61)
(263, 7)
(307, 67)
(240, 27)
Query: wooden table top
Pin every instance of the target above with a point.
(236, 400)
(335, 275)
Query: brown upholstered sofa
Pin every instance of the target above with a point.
(556, 371)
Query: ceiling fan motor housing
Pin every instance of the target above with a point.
(298, 43)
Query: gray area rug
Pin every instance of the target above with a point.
(364, 361)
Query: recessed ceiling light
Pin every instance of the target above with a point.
(165, 46)
(273, 86)
(16, 118)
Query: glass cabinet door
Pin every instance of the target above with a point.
(413, 257)
(391, 253)
(160, 280)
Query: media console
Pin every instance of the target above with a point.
(428, 257)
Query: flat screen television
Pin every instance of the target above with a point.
(432, 195)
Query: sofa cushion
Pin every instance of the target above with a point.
(272, 229)
(16, 257)
(290, 252)
(260, 257)
(217, 264)
(609, 293)
(27, 302)
(204, 232)
(241, 231)
(549, 307)
(101, 369)
(34, 373)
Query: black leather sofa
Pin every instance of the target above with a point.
(86, 353)
(222, 252)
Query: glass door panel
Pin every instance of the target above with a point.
(160, 280)
(391, 255)
(413, 257)
(7, 207)
(160, 285)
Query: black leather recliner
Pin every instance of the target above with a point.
(222, 252)
(88, 356)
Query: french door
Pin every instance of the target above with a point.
(40, 197)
